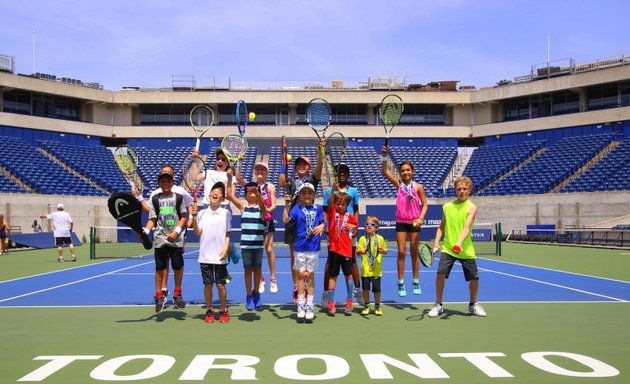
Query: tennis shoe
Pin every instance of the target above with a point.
(358, 294)
(257, 299)
(415, 287)
(301, 312)
(332, 308)
(179, 302)
(378, 311)
(249, 302)
(165, 293)
(160, 302)
(348, 308)
(310, 314)
(477, 310)
(74, 258)
(436, 310)
(209, 316)
(273, 286)
(261, 286)
(224, 316)
(402, 292)
(60, 260)
(324, 299)
(366, 310)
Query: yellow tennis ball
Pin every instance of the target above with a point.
(252, 117)
(288, 157)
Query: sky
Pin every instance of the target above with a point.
(145, 43)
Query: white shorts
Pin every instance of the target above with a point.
(306, 261)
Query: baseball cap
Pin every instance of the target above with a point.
(306, 185)
(59, 206)
(167, 174)
(305, 158)
(344, 167)
(262, 164)
(251, 184)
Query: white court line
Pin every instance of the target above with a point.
(554, 285)
(71, 283)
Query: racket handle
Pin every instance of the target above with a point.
(197, 144)
(386, 142)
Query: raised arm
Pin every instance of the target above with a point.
(385, 170)
(317, 173)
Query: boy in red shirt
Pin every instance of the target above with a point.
(341, 228)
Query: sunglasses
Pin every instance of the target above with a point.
(371, 225)
(223, 159)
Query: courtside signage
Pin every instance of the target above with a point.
(377, 366)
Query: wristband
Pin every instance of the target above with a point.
(178, 230)
(146, 231)
(140, 198)
(282, 170)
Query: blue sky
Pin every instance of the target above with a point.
(143, 43)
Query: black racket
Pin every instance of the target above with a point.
(241, 117)
(390, 110)
(125, 208)
(335, 151)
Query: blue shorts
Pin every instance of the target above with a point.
(252, 257)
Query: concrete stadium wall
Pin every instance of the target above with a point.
(514, 212)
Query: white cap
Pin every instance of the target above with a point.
(59, 206)
(306, 185)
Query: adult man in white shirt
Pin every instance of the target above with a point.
(62, 230)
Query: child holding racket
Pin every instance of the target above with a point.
(268, 192)
(372, 247)
(179, 303)
(308, 219)
(411, 208)
(341, 226)
(213, 227)
(252, 240)
(302, 175)
(168, 217)
(458, 218)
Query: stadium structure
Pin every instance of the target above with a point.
(549, 147)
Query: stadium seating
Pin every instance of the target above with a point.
(431, 165)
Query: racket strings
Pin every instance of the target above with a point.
(192, 169)
(234, 146)
(201, 118)
(318, 115)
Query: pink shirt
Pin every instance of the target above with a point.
(407, 210)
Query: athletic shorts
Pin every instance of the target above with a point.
(270, 227)
(469, 265)
(338, 262)
(214, 273)
(163, 254)
(61, 241)
(252, 257)
(306, 261)
(404, 227)
(374, 281)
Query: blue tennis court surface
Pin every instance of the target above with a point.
(131, 282)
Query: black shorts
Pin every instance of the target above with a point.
(339, 262)
(270, 227)
(409, 228)
(290, 232)
(214, 273)
(469, 266)
(374, 281)
(61, 241)
(163, 254)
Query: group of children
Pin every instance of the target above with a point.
(305, 225)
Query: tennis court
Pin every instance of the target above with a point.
(555, 315)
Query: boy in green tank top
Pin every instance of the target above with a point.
(458, 218)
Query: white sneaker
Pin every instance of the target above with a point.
(261, 286)
(273, 286)
(310, 314)
(436, 310)
(358, 294)
(324, 299)
(60, 260)
(477, 310)
(74, 258)
(301, 312)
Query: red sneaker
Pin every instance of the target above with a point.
(224, 317)
(348, 308)
(332, 308)
(209, 316)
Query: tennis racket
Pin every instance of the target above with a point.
(335, 151)
(390, 110)
(194, 174)
(201, 119)
(125, 208)
(127, 161)
(241, 117)
(318, 116)
(427, 255)
(234, 148)
(285, 162)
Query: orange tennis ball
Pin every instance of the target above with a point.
(252, 117)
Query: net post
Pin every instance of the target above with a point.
(499, 239)
(92, 250)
